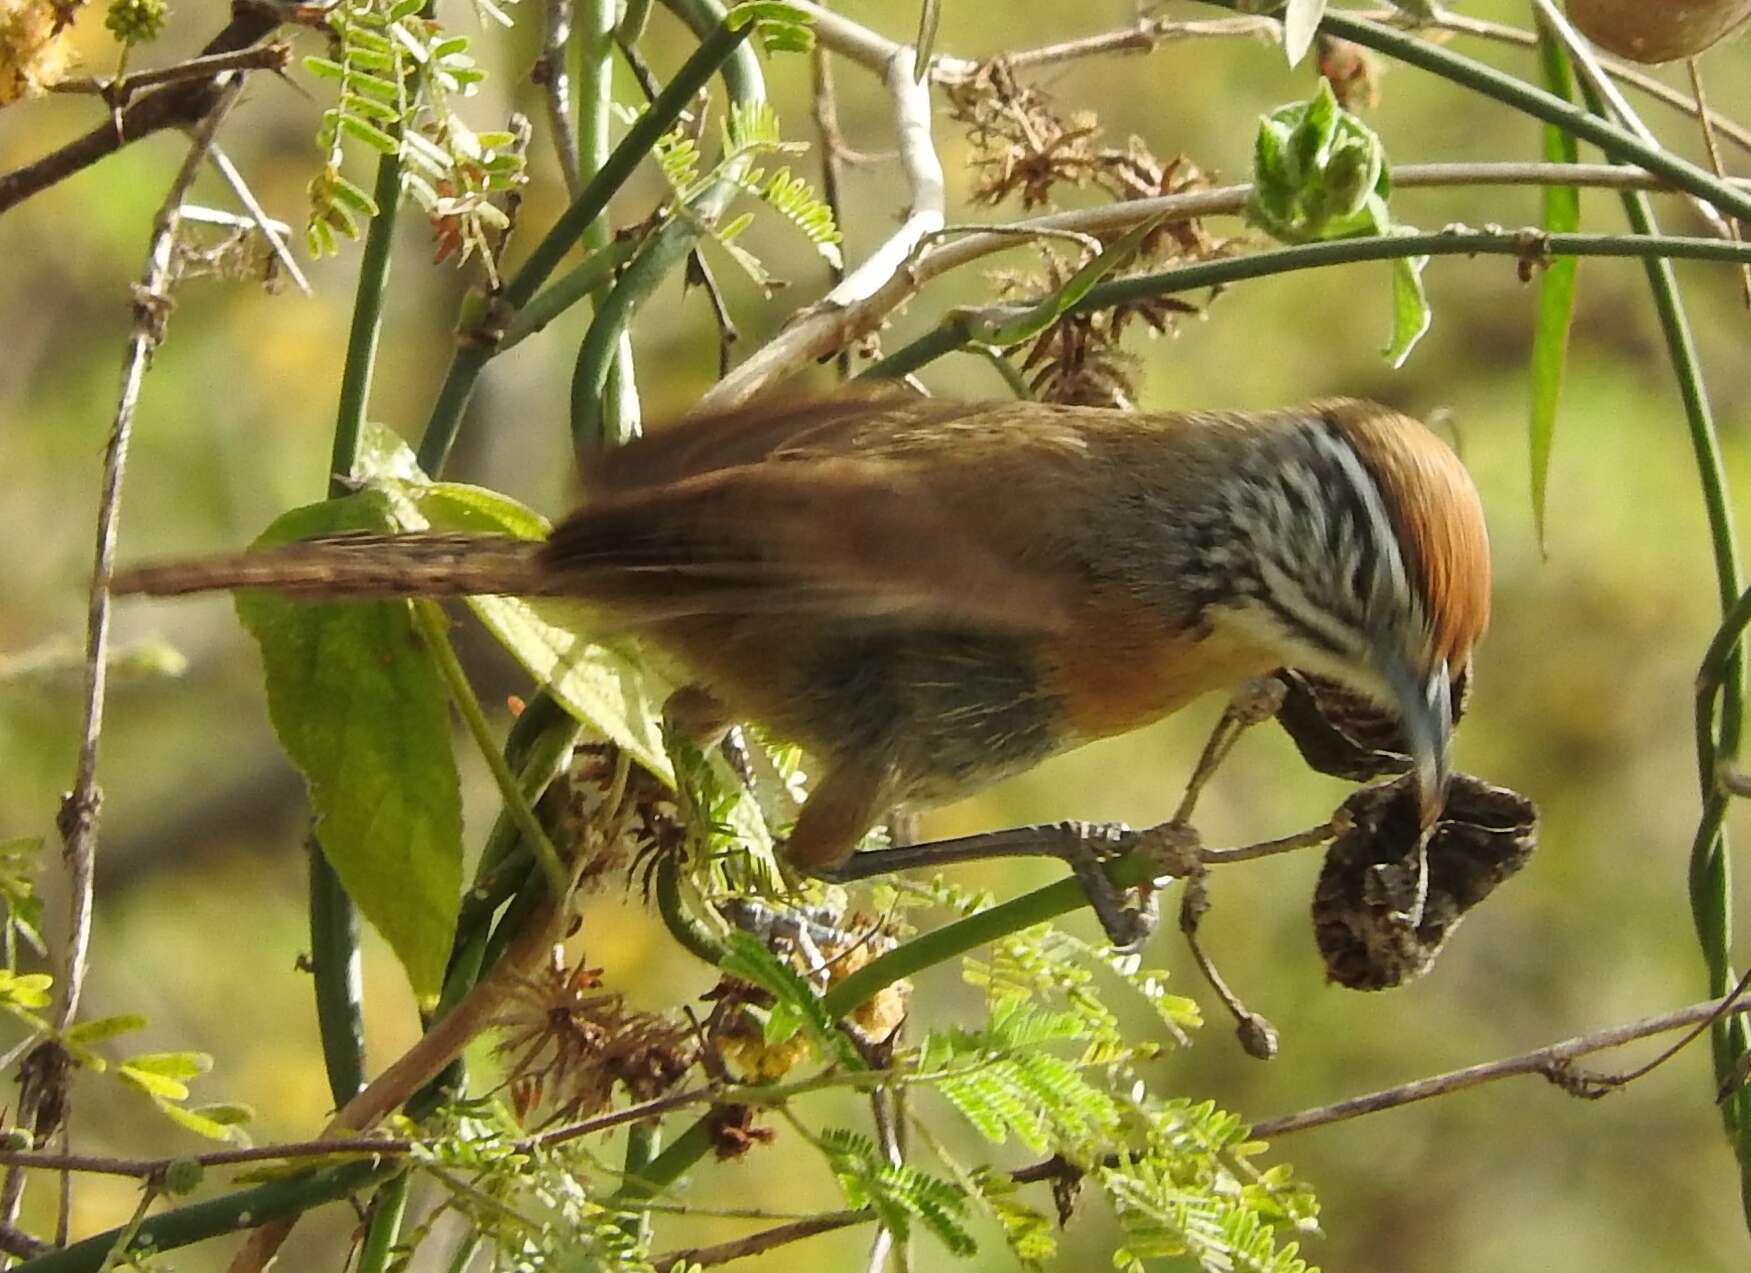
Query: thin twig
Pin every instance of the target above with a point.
(823, 329)
(273, 56)
(1712, 142)
(1634, 76)
(79, 813)
(1580, 52)
(761, 1242)
(1551, 1061)
(553, 74)
(825, 111)
(266, 226)
(1144, 36)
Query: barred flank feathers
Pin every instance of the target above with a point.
(363, 564)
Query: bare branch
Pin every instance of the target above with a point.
(1712, 143)
(923, 174)
(1551, 1061)
(1144, 36)
(763, 1241)
(274, 56)
(78, 817)
(554, 76)
(823, 329)
(170, 106)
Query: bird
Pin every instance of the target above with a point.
(931, 595)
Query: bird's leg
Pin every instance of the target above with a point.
(1085, 846)
(1254, 702)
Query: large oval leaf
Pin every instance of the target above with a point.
(360, 708)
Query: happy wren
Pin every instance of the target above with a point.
(930, 596)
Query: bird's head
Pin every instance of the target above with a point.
(1367, 561)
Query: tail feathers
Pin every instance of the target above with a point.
(361, 564)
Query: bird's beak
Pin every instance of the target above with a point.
(1425, 708)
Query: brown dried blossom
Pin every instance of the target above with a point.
(1022, 146)
(568, 1043)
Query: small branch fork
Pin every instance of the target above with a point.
(857, 305)
(176, 103)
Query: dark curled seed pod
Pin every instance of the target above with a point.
(1338, 732)
(1382, 910)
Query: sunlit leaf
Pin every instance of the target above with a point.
(1300, 26)
(362, 711)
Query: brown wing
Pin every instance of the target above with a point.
(851, 506)
(764, 429)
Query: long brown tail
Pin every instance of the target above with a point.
(357, 564)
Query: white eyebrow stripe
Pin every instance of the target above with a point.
(1373, 502)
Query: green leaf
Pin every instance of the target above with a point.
(370, 134)
(929, 19)
(747, 958)
(607, 690)
(171, 1065)
(1556, 285)
(226, 1114)
(1411, 314)
(198, 1123)
(1049, 309)
(26, 989)
(1300, 26)
(87, 1033)
(360, 708)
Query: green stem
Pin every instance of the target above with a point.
(643, 1140)
(963, 327)
(335, 968)
(669, 1166)
(442, 426)
(474, 350)
(118, 1250)
(717, 47)
(594, 272)
(432, 623)
(664, 250)
(683, 925)
(214, 1217)
(619, 399)
(387, 1210)
(632, 21)
(1710, 879)
(1618, 143)
(362, 338)
(334, 920)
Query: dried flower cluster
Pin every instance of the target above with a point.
(36, 47)
(1023, 147)
(568, 1043)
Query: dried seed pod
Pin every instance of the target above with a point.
(1657, 30)
(1340, 733)
(1386, 903)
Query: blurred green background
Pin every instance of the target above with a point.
(1583, 697)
